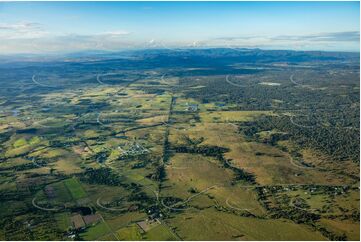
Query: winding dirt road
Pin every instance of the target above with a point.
(44, 209)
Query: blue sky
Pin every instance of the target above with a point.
(37, 27)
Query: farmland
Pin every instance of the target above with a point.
(213, 144)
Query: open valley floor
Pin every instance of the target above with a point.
(186, 144)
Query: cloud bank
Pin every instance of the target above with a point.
(32, 37)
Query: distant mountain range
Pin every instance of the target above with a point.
(242, 55)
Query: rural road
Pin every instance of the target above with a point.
(305, 209)
(300, 125)
(299, 166)
(239, 209)
(187, 200)
(109, 209)
(234, 84)
(40, 84)
(315, 126)
(98, 78)
(293, 81)
(44, 209)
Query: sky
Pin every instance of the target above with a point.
(58, 27)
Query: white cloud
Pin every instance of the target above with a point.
(22, 26)
(116, 33)
(26, 37)
(351, 36)
(22, 30)
(343, 41)
(30, 37)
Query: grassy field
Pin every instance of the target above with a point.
(161, 233)
(63, 221)
(95, 232)
(224, 226)
(131, 232)
(187, 170)
(231, 116)
(351, 228)
(119, 221)
(75, 188)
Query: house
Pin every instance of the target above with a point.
(148, 224)
(192, 107)
(77, 221)
(91, 219)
